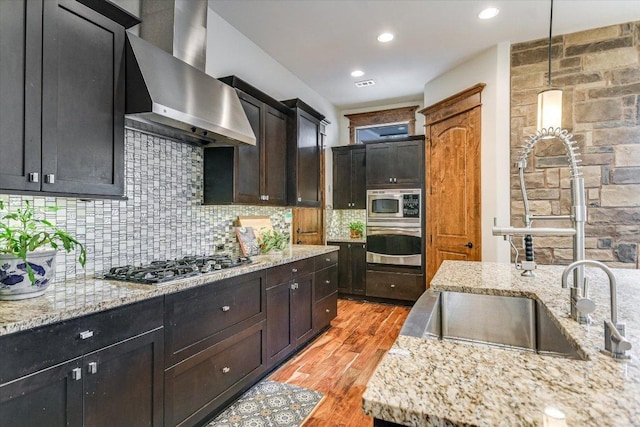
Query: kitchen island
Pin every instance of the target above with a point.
(429, 382)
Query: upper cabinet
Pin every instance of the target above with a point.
(304, 150)
(251, 174)
(392, 164)
(61, 80)
(349, 177)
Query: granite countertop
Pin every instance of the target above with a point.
(346, 239)
(84, 296)
(428, 382)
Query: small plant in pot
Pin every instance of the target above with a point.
(273, 240)
(356, 229)
(26, 267)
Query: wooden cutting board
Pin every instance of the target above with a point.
(259, 223)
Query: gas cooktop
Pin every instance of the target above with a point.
(164, 271)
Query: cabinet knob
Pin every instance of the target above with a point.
(226, 370)
(390, 179)
(76, 374)
(92, 367)
(86, 334)
(225, 308)
(392, 286)
(395, 180)
(294, 270)
(328, 259)
(266, 197)
(50, 178)
(294, 285)
(299, 199)
(34, 177)
(327, 310)
(327, 281)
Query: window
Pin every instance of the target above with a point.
(377, 132)
(382, 124)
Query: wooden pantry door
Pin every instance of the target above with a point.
(453, 219)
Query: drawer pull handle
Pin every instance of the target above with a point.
(92, 367)
(86, 334)
(327, 281)
(294, 286)
(393, 286)
(327, 310)
(226, 370)
(328, 259)
(294, 270)
(225, 308)
(76, 374)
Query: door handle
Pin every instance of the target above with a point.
(469, 245)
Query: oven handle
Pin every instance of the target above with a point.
(416, 232)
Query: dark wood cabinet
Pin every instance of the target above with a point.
(302, 309)
(395, 163)
(64, 130)
(352, 266)
(349, 177)
(395, 285)
(107, 380)
(304, 149)
(249, 174)
(325, 291)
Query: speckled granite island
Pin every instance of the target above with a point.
(85, 296)
(429, 382)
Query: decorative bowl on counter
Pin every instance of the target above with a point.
(15, 283)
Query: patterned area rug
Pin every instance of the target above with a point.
(270, 404)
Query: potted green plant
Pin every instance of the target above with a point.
(356, 229)
(26, 267)
(273, 240)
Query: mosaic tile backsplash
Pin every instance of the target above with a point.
(163, 217)
(338, 221)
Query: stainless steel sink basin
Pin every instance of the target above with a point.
(510, 322)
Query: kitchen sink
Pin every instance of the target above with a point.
(517, 323)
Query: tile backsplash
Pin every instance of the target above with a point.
(338, 221)
(163, 217)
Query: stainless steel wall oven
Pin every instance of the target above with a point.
(394, 227)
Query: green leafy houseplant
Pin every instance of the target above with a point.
(21, 233)
(356, 229)
(273, 240)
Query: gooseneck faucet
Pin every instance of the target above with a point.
(578, 214)
(614, 342)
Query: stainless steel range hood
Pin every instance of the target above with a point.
(168, 96)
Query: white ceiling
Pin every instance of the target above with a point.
(322, 41)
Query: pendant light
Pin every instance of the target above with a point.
(550, 100)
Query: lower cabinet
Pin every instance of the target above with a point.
(352, 266)
(119, 383)
(391, 285)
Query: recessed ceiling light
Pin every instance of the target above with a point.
(385, 37)
(489, 13)
(365, 83)
(357, 73)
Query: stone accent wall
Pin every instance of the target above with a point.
(163, 217)
(599, 72)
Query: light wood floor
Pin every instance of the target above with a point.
(340, 361)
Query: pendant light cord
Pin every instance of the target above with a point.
(550, 26)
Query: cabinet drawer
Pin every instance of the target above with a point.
(326, 260)
(324, 311)
(197, 318)
(286, 272)
(326, 282)
(29, 351)
(394, 285)
(202, 383)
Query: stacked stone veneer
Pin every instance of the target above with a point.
(599, 73)
(163, 217)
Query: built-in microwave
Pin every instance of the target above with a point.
(401, 207)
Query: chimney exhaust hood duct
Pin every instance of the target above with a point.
(170, 97)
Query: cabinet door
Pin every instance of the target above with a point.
(247, 167)
(51, 397)
(308, 167)
(380, 164)
(123, 383)
(358, 268)
(342, 179)
(82, 101)
(409, 161)
(358, 179)
(274, 167)
(344, 268)
(279, 322)
(20, 97)
(302, 309)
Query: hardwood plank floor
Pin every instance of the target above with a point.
(341, 360)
